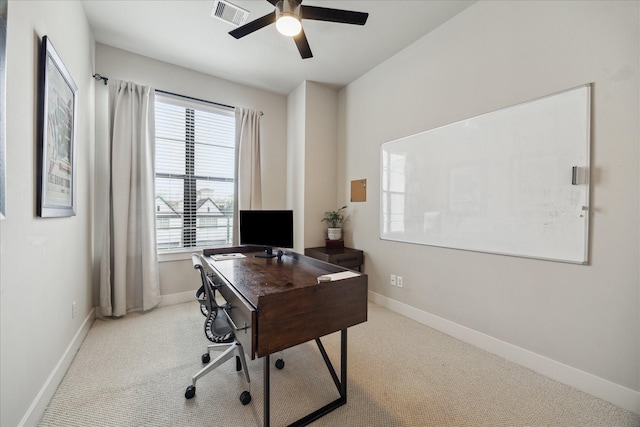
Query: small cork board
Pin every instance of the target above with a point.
(359, 190)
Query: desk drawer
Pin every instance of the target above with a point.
(347, 259)
(242, 316)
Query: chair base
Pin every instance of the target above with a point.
(226, 355)
(230, 350)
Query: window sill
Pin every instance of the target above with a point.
(181, 254)
(178, 254)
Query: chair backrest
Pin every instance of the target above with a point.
(216, 327)
(207, 290)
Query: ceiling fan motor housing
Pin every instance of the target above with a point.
(288, 8)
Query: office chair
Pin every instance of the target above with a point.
(217, 330)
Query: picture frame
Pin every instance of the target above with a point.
(57, 133)
(3, 110)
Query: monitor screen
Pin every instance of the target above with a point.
(268, 228)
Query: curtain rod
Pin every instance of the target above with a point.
(196, 99)
(199, 100)
(104, 79)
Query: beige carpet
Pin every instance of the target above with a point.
(134, 371)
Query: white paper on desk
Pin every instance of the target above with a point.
(342, 275)
(221, 257)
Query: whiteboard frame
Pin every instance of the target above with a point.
(583, 170)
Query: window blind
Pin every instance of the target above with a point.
(195, 172)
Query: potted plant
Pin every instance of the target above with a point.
(335, 220)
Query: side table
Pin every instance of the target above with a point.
(344, 257)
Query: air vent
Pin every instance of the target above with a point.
(229, 12)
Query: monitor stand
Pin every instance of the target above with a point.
(268, 253)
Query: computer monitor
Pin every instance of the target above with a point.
(268, 228)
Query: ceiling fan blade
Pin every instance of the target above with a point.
(273, 2)
(303, 45)
(333, 15)
(254, 25)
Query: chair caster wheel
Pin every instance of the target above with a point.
(190, 392)
(245, 397)
(279, 363)
(206, 358)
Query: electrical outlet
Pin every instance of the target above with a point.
(393, 280)
(73, 310)
(399, 281)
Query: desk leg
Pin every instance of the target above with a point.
(343, 365)
(266, 391)
(341, 383)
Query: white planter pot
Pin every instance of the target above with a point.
(334, 233)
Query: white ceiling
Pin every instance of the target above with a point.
(182, 32)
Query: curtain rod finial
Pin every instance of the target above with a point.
(99, 77)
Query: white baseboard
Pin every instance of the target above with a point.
(36, 410)
(616, 394)
(177, 298)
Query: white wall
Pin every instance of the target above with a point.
(321, 160)
(580, 324)
(176, 272)
(295, 161)
(45, 263)
(312, 139)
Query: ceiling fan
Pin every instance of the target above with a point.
(288, 15)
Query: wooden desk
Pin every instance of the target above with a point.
(277, 304)
(344, 257)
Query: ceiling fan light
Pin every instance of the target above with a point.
(288, 25)
(288, 17)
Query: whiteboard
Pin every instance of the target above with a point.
(512, 182)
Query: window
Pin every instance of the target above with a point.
(393, 192)
(195, 170)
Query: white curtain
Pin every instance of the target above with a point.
(248, 180)
(129, 278)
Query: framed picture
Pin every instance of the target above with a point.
(3, 114)
(57, 132)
